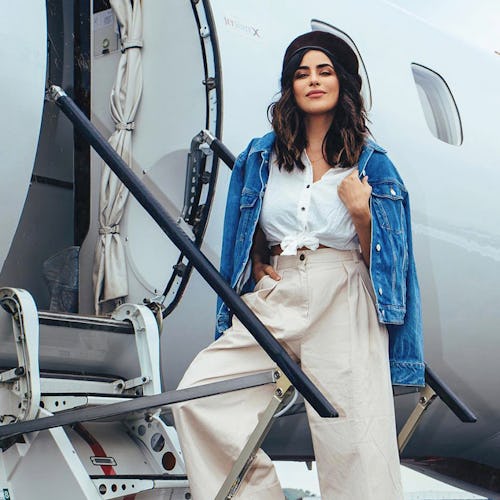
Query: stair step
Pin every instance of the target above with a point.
(81, 322)
(154, 477)
(90, 345)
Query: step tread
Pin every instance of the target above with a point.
(85, 322)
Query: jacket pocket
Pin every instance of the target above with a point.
(248, 199)
(387, 202)
(248, 216)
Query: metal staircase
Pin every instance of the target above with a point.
(118, 457)
(95, 436)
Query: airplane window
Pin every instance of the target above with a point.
(365, 88)
(438, 105)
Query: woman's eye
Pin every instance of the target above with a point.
(326, 73)
(300, 75)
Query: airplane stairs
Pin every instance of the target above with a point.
(116, 458)
(87, 436)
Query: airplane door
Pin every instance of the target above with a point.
(22, 86)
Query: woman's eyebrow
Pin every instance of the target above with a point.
(319, 66)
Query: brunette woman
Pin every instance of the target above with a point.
(317, 240)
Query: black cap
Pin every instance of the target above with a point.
(334, 47)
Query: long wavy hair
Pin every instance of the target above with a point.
(344, 140)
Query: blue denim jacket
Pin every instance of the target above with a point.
(392, 267)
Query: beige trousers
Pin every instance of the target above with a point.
(322, 311)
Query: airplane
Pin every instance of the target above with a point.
(429, 82)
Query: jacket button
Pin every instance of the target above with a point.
(302, 256)
(378, 247)
(393, 192)
(380, 291)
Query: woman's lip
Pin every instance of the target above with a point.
(315, 93)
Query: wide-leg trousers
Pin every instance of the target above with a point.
(322, 312)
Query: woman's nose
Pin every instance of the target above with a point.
(314, 80)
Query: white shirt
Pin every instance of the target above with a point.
(298, 212)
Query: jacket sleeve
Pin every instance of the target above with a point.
(230, 228)
(406, 341)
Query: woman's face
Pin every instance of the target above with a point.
(315, 84)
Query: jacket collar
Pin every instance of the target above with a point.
(370, 143)
(368, 149)
(264, 143)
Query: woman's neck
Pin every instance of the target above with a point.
(316, 129)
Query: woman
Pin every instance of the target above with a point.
(294, 255)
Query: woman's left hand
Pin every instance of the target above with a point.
(355, 194)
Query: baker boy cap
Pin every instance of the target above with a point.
(334, 47)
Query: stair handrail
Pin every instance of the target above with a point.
(206, 269)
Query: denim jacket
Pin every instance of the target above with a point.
(392, 267)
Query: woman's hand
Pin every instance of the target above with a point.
(355, 194)
(259, 254)
(260, 269)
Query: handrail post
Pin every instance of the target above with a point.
(219, 148)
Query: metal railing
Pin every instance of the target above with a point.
(144, 196)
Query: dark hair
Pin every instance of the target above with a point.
(344, 140)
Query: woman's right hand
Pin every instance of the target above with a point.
(261, 269)
(259, 254)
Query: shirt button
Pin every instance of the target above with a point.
(302, 208)
(393, 192)
(380, 291)
(308, 186)
(302, 256)
(378, 247)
